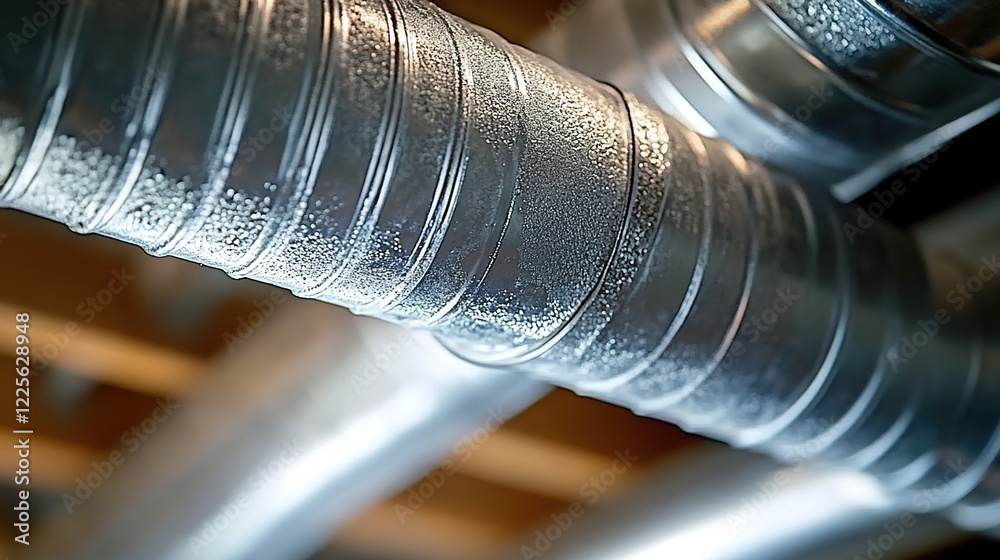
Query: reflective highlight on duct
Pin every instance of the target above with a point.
(382, 155)
(838, 93)
(377, 155)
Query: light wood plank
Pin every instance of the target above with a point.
(432, 535)
(55, 464)
(100, 355)
(541, 466)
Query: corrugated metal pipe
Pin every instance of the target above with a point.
(839, 93)
(387, 157)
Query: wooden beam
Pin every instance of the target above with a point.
(432, 535)
(55, 464)
(517, 20)
(541, 466)
(100, 355)
(73, 409)
(169, 302)
(599, 427)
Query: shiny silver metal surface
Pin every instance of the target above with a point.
(716, 503)
(968, 28)
(289, 439)
(840, 94)
(385, 156)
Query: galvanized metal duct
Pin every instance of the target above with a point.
(384, 156)
(838, 93)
